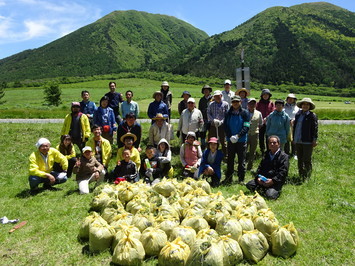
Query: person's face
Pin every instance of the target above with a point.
(227, 87)
(236, 104)
(190, 140)
(273, 145)
(75, 109)
(44, 148)
(290, 100)
(242, 94)
(305, 107)
(279, 107)
(190, 105)
(128, 142)
(186, 97)
(126, 155)
(266, 96)
(129, 96)
(218, 98)
(206, 92)
(87, 154)
(162, 147)
(251, 106)
(150, 153)
(213, 147)
(130, 121)
(104, 103)
(165, 87)
(159, 122)
(97, 132)
(112, 87)
(67, 142)
(85, 96)
(158, 97)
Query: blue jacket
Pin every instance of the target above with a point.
(278, 123)
(237, 123)
(156, 108)
(105, 116)
(216, 165)
(88, 107)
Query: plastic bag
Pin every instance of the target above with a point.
(254, 245)
(196, 222)
(128, 251)
(186, 233)
(206, 253)
(231, 226)
(100, 237)
(285, 241)
(123, 231)
(233, 254)
(153, 240)
(174, 253)
(84, 229)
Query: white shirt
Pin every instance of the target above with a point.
(226, 96)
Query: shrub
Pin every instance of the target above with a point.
(52, 94)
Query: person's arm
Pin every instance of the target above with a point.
(66, 125)
(61, 159)
(180, 122)
(139, 136)
(282, 169)
(132, 172)
(137, 110)
(85, 127)
(200, 121)
(106, 152)
(315, 130)
(151, 135)
(246, 124)
(112, 121)
(182, 155)
(151, 111)
(34, 168)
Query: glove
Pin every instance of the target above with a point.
(234, 138)
(178, 134)
(217, 122)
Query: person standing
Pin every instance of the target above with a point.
(227, 94)
(305, 132)
(291, 109)
(243, 93)
(265, 106)
(272, 171)
(130, 124)
(129, 106)
(216, 112)
(278, 123)
(202, 106)
(191, 119)
(158, 106)
(256, 121)
(87, 107)
(104, 117)
(167, 96)
(183, 104)
(236, 125)
(77, 125)
(114, 100)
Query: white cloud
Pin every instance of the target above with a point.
(36, 29)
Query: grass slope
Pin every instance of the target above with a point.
(321, 209)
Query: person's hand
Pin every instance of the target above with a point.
(314, 143)
(260, 182)
(210, 170)
(78, 163)
(268, 183)
(96, 175)
(119, 163)
(51, 179)
(139, 149)
(217, 122)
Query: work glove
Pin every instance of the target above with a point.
(234, 138)
(217, 122)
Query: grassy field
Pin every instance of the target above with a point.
(29, 102)
(322, 209)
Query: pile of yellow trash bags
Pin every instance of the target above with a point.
(183, 223)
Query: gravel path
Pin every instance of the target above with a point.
(54, 121)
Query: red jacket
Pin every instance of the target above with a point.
(265, 107)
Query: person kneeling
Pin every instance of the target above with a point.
(272, 171)
(190, 156)
(164, 155)
(126, 169)
(41, 166)
(87, 170)
(151, 170)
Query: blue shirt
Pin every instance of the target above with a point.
(157, 108)
(88, 108)
(131, 107)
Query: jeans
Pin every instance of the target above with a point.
(36, 180)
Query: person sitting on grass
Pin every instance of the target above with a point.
(87, 170)
(126, 169)
(41, 166)
(66, 148)
(151, 170)
(164, 155)
(272, 171)
(211, 162)
(190, 156)
(128, 139)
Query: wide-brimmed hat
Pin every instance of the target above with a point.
(251, 100)
(217, 92)
(306, 100)
(236, 98)
(128, 134)
(243, 89)
(185, 92)
(159, 116)
(42, 141)
(75, 104)
(206, 87)
(213, 140)
(87, 148)
(291, 95)
(265, 91)
(157, 92)
(165, 83)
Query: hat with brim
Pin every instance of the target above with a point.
(213, 140)
(291, 95)
(206, 87)
(128, 135)
(157, 92)
(243, 89)
(306, 100)
(75, 104)
(159, 116)
(191, 100)
(252, 100)
(165, 83)
(217, 93)
(265, 91)
(191, 134)
(185, 92)
(87, 148)
(42, 141)
(236, 98)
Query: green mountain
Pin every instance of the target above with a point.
(121, 41)
(307, 43)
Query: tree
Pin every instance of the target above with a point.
(3, 86)
(52, 94)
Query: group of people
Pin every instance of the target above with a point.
(222, 118)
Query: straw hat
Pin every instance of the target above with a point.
(243, 89)
(159, 116)
(306, 100)
(128, 134)
(157, 92)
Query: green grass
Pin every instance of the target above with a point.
(29, 102)
(321, 209)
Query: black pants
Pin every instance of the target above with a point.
(270, 192)
(239, 148)
(71, 162)
(213, 180)
(262, 131)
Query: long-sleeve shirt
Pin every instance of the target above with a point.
(124, 128)
(236, 122)
(203, 105)
(190, 154)
(115, 98)
(291, 110)
(127, 170)
(129, 107)
(265, 107)
(217, 111)
(105, 116)
(135, 157)
(226, 96)
(305, 128)
(87, 168)
(256, 121)
(88, 108)
(190, 121)
(157, 108)
(157, 133)
(41, 165)
(278, 123)
(101, 149)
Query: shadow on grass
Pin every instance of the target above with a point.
(71, 192)
(294, 180)
(26, 193)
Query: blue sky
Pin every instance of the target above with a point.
(29, 24)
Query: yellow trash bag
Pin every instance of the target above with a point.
(254, 245)
(206, 253)
(153, 240)
(128, 251)
(285, 241)
(174, 253)
(233, 254)
(100, 237)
